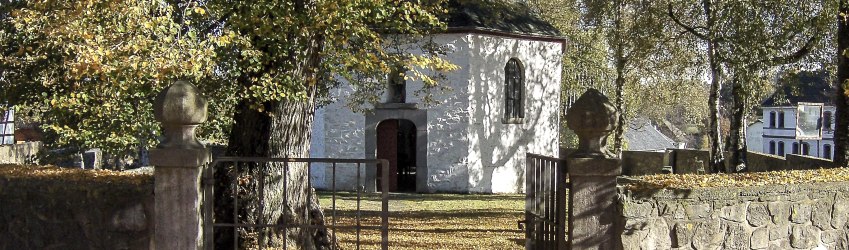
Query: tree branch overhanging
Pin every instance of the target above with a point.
(691, 30)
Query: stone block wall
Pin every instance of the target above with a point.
(800, 162)
(760, 162)
(19, 153)
(690, 161)
(642, 163)
(75, 209)
(801, 216)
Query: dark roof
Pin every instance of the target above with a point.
(804, 87)
(641, 135)
(509, 16)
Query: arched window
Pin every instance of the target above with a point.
(806, 148)
(781, 148)
(514, 83)
(780, 119)
(771, 147)
(772, 119)
(397, 85)
(826, 120)
(795, 150)
(826, 151)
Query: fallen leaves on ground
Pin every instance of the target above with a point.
(690, 181)
(12, 171)
(432, 221)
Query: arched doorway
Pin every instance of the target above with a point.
(396, 142)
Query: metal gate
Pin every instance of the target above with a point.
(360, 164)
(546, 195)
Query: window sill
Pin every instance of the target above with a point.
(396, 106)
(513, 120)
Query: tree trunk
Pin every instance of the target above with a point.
(620, 82)
(620, 108)
(274, 193)
(282, 131)
(841, 132)
(714, 133)
(738, 128)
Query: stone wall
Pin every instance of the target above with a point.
(75, 209)
(19, 153)
(801, 216)
(690, 161)
(800, 162)
(760, 162)
(642, 163)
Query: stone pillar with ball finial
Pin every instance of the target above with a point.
(179, 164)
(592, 172)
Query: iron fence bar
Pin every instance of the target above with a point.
(548, 204)
(553, 203)
(561, 204)
(358, 206)
(529, 194)
(262, 206)
(543, 157)
(384, 232)
(538, 227)
(235, 204)
(208, 202)
(236, 173)
(333, 200)
(274, 159)
(292, 226)
(285, 201)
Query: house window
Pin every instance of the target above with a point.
(826, 120)
(826, 151)
(771, 147)
(397, 85)
(781, 148)
(806, 148)
(7, 126)
(795, 148)
(514, 83)
(781, 119)
(772, 119)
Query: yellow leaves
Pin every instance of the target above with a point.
(689, 181)
(72, 174)
(432, 221)
(200, 11)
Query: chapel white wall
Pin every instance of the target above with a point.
(469, 148)
(496, 157)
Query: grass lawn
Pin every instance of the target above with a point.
(431, 221)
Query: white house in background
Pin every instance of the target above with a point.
(755, 136)
(503, 103)
(781, 135)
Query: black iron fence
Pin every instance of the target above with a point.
(330, 225)
(546, 195)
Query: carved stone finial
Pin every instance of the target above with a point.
(592, 117)
(180, 108)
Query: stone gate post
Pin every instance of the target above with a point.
(593, 172)
(178, 168)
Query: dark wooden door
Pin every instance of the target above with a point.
(387, 148)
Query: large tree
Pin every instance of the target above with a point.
(94, 67)
(742, 41)
(841, 132)
(626, 49)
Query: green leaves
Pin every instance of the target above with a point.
(93, 67)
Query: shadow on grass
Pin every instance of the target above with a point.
(422, 197)
(475, 213)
